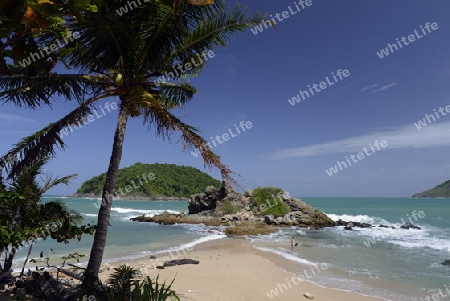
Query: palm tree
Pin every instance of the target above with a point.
(125, 57)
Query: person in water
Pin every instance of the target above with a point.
(293, 243)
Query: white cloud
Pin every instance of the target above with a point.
(408, 136)
(15, 118)
(383, 88)
(368, 87)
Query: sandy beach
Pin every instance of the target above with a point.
(232, 270)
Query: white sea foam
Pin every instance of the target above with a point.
(127, 213)
(90, 214)
(361, 218)
(286, 254)
(412, 238)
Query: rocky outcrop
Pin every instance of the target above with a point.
(350, 225)
(224, 206)
(408, 226)
(354, 224)
(175, 262)
(304, 215)
(446, 262)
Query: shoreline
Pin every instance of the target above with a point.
(232, 269)
(127, 198)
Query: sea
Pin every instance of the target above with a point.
(388, 262)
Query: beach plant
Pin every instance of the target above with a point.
(25, 218)
(228, 207)
(125, 57)
(268, 201)
(124, 286)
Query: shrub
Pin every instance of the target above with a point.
(268, 203)
(228, 207)
(123, 286)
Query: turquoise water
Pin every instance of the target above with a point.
(125, 238)
(395, 264)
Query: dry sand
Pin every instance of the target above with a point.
(232, 270)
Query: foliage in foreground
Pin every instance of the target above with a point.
(124, 286)
(25, 218)
(266, 197)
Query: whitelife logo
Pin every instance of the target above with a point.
(244, 126)
(35, 56)
(323, 85)
(89, 119)
(360, 155)
(430, 118)
(280, 17)
(411, 38)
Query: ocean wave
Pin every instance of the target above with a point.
(286, 254)
(90, 214)
(147, 212)
(427, 237)
(361, 218)
(432, 243)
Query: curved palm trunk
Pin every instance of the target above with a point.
(98, 246)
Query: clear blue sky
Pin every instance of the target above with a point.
(292, 146)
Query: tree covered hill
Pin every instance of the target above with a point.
(440, 191)
(153, 180)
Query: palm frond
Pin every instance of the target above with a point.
(43, 143)
(34, 91)
(173, 95)
(166, 124)
(51, 182)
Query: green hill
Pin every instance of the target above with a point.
(440, 191)
(153, 180)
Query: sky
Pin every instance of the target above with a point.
(366, 118)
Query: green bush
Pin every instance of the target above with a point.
(123, 286)
(268, 203)
(228, 207)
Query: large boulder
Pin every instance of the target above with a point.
(305, 214)
(203, 201)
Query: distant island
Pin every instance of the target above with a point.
(440, 191)
(152, 181)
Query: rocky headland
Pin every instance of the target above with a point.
(242, 214)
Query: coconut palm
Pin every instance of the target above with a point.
(125, 57)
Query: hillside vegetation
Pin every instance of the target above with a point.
(153, 180)
(440, 191)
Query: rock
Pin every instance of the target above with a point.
(225, 190)
(310, 215)
(210, 209)
(200, 202)
(384, 226)
(348, 228)
(180, 262)
(211, 191)
(160, 267)
(340, 222)
(308, 296)
(269, 219)
(446, 262)
(286, 220)
(152, 257)
(408, 226)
